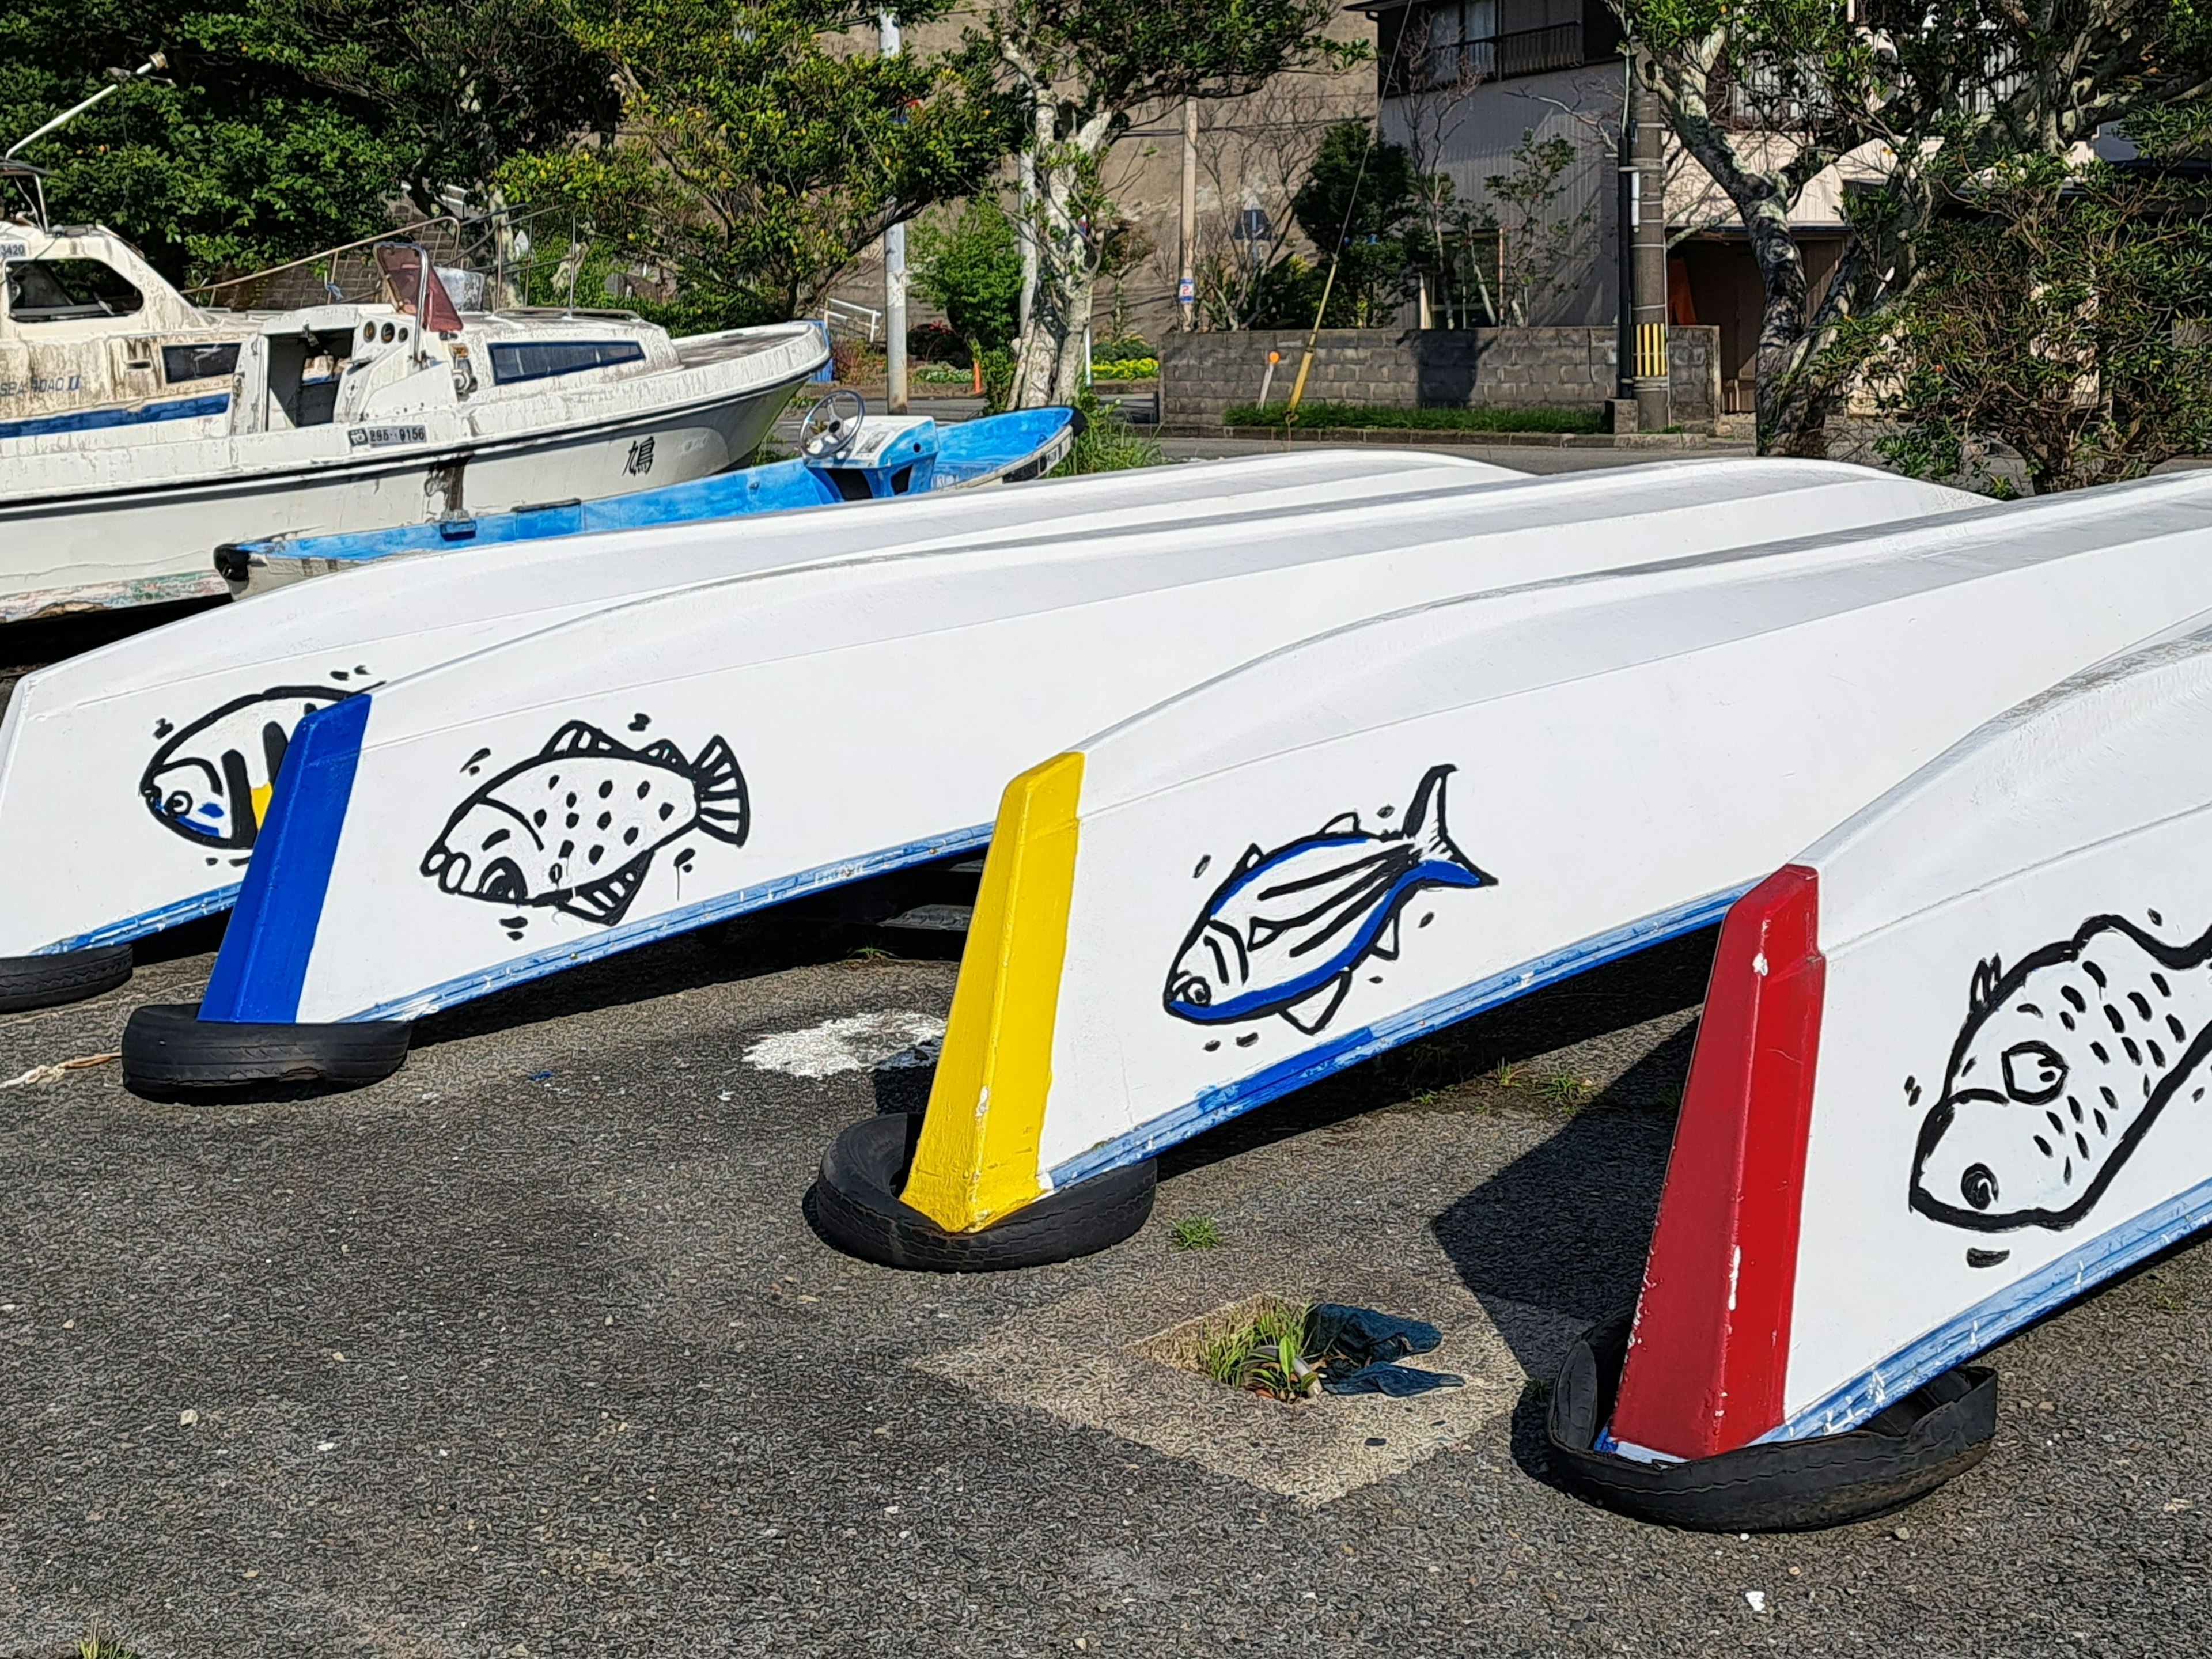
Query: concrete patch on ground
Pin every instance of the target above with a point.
(1086, 1361)
(891, 1036)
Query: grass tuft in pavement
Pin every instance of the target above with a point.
(1196, 1232)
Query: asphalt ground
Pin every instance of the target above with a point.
(532, 1350)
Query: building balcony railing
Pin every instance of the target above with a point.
(1525, 52)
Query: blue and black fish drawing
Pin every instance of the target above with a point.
(2061, 1066)
(575, 826)
(1287, 930)
(211, 781)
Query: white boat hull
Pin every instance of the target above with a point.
(1631, 752)
(80, 738)
(136, 543)
(822, 725)
(1987, 1087)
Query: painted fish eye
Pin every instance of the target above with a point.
(1978, 1186)
(2033, 1073)
(177, 803)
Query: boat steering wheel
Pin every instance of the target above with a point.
(832, 427)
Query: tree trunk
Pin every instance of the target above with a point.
(1051, 366)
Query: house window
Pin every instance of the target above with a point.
(534, 360)
(1444, 46)
(57, 290)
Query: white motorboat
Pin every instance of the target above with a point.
(138, 431)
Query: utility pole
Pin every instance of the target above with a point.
(1644, 371)
(887, 43)
(1186, 282)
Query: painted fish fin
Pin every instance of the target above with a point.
(726, 810)
(607, 900)
(577, 737)
(1386, 942)
(1252, 860)
(1344, 823)
(1425, 827)
(1312, 1012)
(662, 752)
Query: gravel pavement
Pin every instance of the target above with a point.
(531, 1349)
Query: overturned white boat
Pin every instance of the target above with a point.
(594, 786)
(138, 432)
(1952, 1074)
(1311, 860)
(134, 779)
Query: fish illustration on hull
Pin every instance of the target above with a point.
(211, 781)
(1287, 931)
(574, 827)
(2061, 1066)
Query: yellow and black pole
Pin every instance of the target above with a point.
(1644, 375)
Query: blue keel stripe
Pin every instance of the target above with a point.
(263, 963)
(668, 923)
(146, 921)
(1228, 1100)
(95, 420)
(1989, 1321)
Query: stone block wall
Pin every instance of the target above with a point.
(1203, 374)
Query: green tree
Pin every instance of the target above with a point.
(221, 164)
(1358, 205)
(971, 271)
(455, 87)
(1768, 94)
(2068, 317)
(758, 152)
(1081, 69)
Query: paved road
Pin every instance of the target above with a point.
(531, 1349)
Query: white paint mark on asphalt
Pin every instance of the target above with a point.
(889, 1037)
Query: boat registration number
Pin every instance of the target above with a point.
(375, 437)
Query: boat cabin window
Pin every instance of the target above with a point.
(198, 363)
(56, 291)
(534, 360)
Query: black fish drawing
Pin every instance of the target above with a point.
(2061, 1066)
(1287, 931)
(211, 781)
(575, 826)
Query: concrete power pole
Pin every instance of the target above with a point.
(1186, 282)
(887, 43)
(1643, 372)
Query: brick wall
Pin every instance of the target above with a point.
(1202, 374)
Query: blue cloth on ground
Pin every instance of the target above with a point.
(1358, 1348)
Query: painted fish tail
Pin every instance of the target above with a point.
(1426, 828)
(724, 807)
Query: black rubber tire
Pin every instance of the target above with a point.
(167, 1051)
(64, 976)
(1932, 1435)
(857, 1207)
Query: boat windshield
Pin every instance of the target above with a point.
(54, 290)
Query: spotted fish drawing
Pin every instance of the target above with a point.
(211, 781)
(2062, 1065)
(1287, 930)
(575, 826)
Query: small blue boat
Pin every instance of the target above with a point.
(847, 455)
